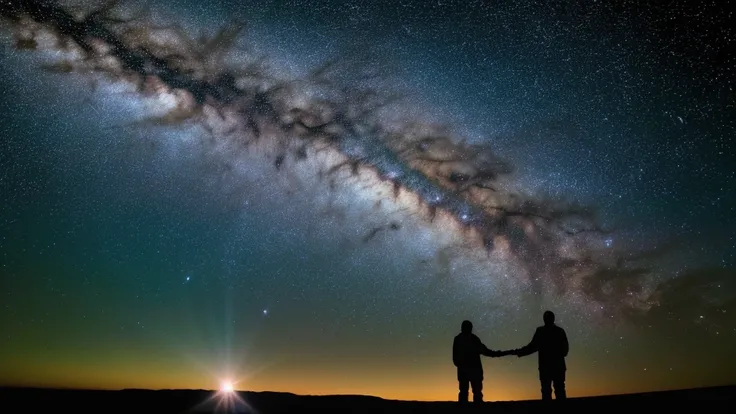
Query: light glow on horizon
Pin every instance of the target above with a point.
(227, 387)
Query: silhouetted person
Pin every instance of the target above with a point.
(550, 342)
(466, 351)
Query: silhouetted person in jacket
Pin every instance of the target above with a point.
(550, 342)
(466, 351)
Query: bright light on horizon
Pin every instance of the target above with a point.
(227, 387)
(226, 399)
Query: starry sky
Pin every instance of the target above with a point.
(152, 237)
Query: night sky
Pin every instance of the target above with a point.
(145, 247)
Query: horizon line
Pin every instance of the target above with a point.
(59, 388)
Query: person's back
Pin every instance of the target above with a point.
(552, 348)
(466, 350)
(550, 342)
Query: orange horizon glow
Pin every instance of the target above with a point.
(429, 378)
(429, 391)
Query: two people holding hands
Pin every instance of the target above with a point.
(549, 342)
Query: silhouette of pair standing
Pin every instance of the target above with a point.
(549, 342)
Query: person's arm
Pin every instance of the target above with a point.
(565, 344)
(484, 350)
(455, 356)
(491, 353)
(530, 348)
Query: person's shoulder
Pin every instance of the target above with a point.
(473, 337)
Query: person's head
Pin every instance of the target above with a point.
(466, 327)
(549, 318)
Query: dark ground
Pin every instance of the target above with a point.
(34, 400)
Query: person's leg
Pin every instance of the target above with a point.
(477, 386)
(546, 382)
(476, 383)
(462, 380)
(559, 383)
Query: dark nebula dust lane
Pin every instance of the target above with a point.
(567, 187)
(445, 175)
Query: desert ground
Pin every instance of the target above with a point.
(44, 400)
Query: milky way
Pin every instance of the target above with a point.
(350, 145)
(341, 108)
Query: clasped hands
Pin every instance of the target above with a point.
(509, 352)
